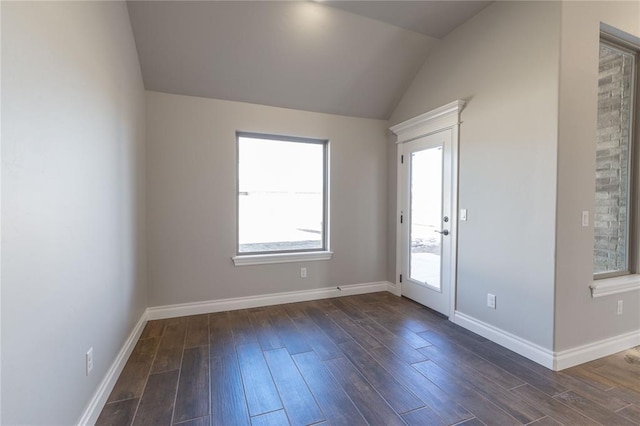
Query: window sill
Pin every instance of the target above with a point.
(265, 259)
(608, 286)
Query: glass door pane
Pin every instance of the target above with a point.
(426, 216)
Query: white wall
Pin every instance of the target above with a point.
(73, 255)
(579, 318)
(504, 63)
(191, 199)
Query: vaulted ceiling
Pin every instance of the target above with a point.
(351, 58)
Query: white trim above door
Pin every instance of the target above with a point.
(445, 122)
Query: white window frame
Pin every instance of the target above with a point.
(284, 256)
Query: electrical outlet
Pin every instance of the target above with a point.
(620, 306)
(303, 272)
(491, 301)
(89, 361)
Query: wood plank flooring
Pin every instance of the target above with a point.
(370, 359)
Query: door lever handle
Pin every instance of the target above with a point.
(443, 232)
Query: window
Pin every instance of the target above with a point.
(281, 197)
(614, 249)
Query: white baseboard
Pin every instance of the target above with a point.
(510, 341)
(553, 360)
(96, 403)
(394, 288)
(221, 305)
(589, 352)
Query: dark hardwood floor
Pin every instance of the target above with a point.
(357, 360)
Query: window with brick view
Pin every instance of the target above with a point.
(614, 148)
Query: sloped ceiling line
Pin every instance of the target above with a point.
(337, 58)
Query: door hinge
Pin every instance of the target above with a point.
(402, 159)
(400, 218)
(400, 277)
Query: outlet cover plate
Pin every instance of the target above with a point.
(89, 361)
(491, 301)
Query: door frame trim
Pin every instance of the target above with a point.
(436, 120)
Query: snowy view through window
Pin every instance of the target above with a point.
(426, 216)
(280, 195)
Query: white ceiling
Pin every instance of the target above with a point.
(342, 59)
(431, 18)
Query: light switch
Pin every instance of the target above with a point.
(463, 214)
(585, 218)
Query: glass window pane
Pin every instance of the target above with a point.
(426, 216)
(613, 147)
(280, 195)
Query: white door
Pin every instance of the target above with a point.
(427, 202)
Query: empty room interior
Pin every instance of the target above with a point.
(320, 212)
